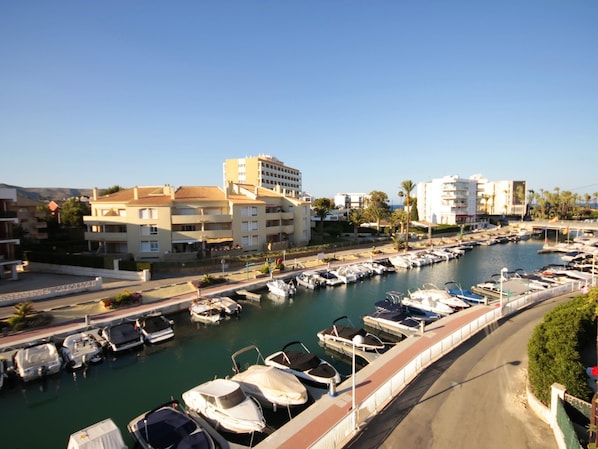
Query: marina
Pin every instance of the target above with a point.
(123, 386)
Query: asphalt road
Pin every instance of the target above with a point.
(472, 398)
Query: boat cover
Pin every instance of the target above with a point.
(103, 435)
(273, 383)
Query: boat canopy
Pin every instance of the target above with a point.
(103, 435)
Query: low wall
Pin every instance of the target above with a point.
(9, 299)
(142, 276)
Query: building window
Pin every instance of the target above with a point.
(149, 247)
(188, 227)
(148, 213)
(149, 229)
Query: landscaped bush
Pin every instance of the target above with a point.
(122, 299)
(554, 349)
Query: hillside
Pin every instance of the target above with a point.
(48, 193)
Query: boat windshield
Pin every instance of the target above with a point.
(232, 399)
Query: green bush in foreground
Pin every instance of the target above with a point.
(554, 349)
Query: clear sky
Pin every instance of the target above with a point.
(358, 95)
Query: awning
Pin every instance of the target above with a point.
(220, 240)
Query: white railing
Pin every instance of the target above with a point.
(345, 428)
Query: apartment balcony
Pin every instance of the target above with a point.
(288, 229)
(112, 219)
(197, 236)
(106, 236)
(195, 219)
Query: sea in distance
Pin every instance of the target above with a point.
(45, 413)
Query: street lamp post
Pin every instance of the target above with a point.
(357, 340)
(502, 276)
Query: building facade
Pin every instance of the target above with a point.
(449, 200)
(454, 200)
(350, 200)
(8, 222)
(162, 223)
(263, 171)
(31, 215)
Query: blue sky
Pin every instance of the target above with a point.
(357, 95)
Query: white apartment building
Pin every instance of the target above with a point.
(263, 171)
(448, 200)
(350, 200)
(454, 200)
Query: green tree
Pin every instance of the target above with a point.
(321, 207)
(356, 217)
(407, 188)
(72, 212)
(377, 208)
(115, 188)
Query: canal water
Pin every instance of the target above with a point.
(44, 414)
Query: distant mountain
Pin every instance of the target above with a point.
(49, 193)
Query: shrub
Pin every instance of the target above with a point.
(555, 346)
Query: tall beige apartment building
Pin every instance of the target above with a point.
(263, 171)
(166, 224)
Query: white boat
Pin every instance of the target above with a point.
(102, 435)
(455, 289)
(400, 261)
(308, 367)
(38, 361)
(375, 267)
(224, 404)
(227, 305)
(205, 311)
(80, 349)
(122, 337)
(436, 294)
(155, 328)
(280, 288)
(3, 374)
(345, 275)
(331, 279)
(272, 387)
(425, 302)
(310, 279)
(344, 334)
(166, 427)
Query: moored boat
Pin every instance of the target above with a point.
(155, 328)
(346, 333)
(280, 288)
(37, 361)
(205, 311)
(225, 405)
(122, 337)
(81, 349)
(272, 387)
(308, 367)
(167, 427)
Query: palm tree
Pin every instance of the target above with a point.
(407, 187)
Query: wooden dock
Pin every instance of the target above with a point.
(366, 356)
(393, 331)
(249, 295)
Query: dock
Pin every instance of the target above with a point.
(367, 356)
(388, 329)
(249, 295)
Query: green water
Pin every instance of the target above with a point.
(44, 414)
